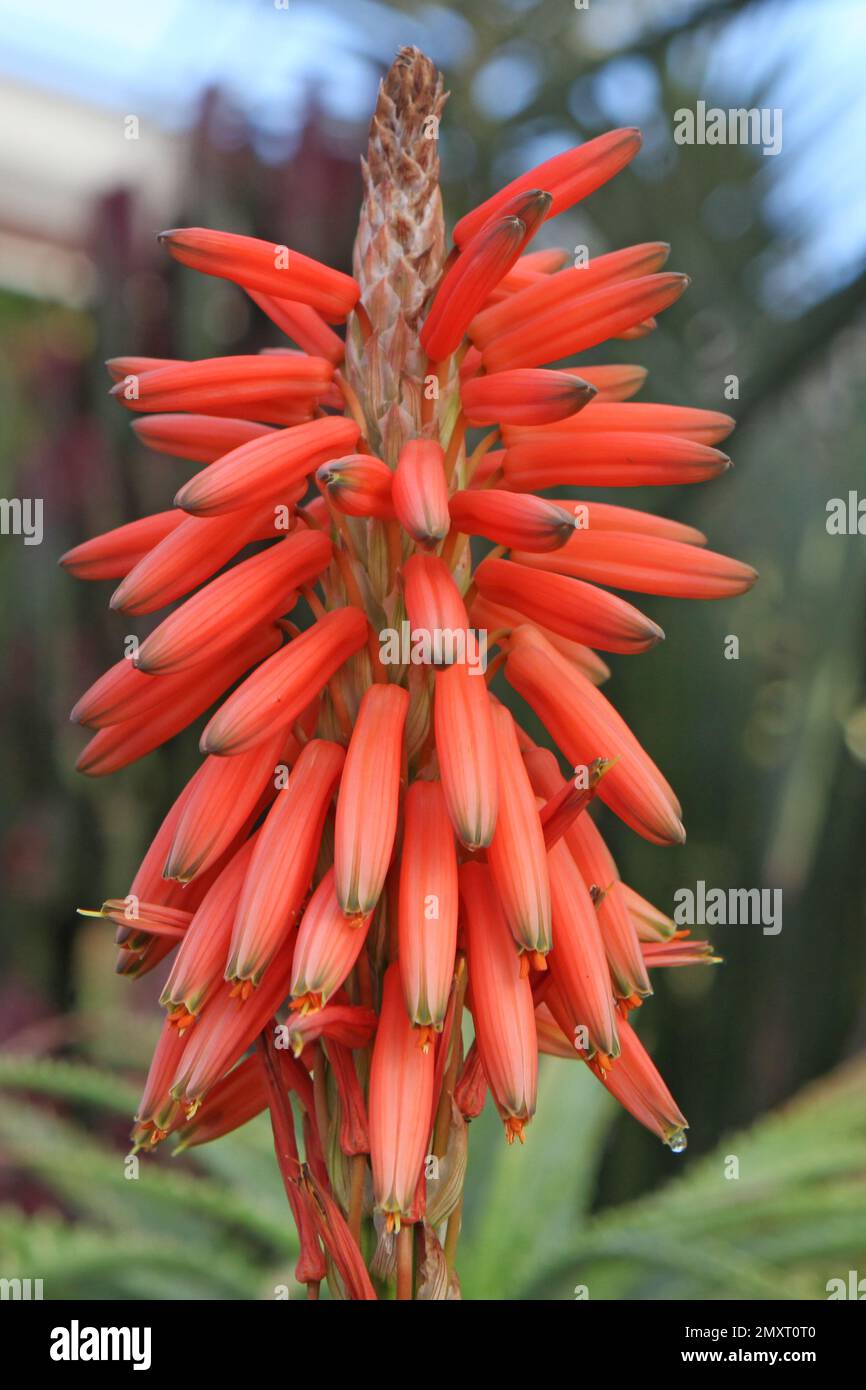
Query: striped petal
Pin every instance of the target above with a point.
(261, 470)
(273, 697)
(358, 484)
(466, 749)
(227, 792)
(580, 323)
(202, 438)
(635, 1082)
(517, 854)
(512, 518)
(277, 883)
(249, 593)
(501, 1002)
(609, 459)
(420, 492)
(328, 945)
(200, 962)
(525, 396)
(189, 555)
(119, 744)
(465, 287)
(578, 963)
(368, 799)
(648, 564)
(577, 610)
(569, 177)
(261, 265)
(585, 726)
(116, 552)
(427, 905)
(631, 263)
(400, 1106)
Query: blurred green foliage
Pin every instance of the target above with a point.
(778, 1225)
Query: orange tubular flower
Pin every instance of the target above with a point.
(190, 554)
(702, 426)
(525, 397)
(427, 911)
(599, 873)
(493, 616)
(113, 554)
(574, 609)
(649, 564)
(614, 459)
(650, 924)
(202, 438)
(359, 485)
(678, 952)
(603, 516)
(550, 292)
(226, 792)
(303, 325)
(277, 882)
(132, 738)
(517, 855)
(239, 1097)
(483, 262)
(586, 726)
(227, 382)
(466, 749)
(583, 322)
(157, 1111)
(309, 871)
(124, 693)
(501, 1002)
(368, 798)
(252, 591)
(282, 687)
(400, 1106)
(578, 964)
(420, 492)
(570, 177)
(635, 1082)
(433, 600)
(612, 383)
(260, 265)
(263, 469)
(228, 1024)
(512, 518)
(199, 963)
(328, 945)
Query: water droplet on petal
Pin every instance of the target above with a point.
(677, 1143)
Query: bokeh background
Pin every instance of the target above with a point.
(251, 116)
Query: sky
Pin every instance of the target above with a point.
(155, 57)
